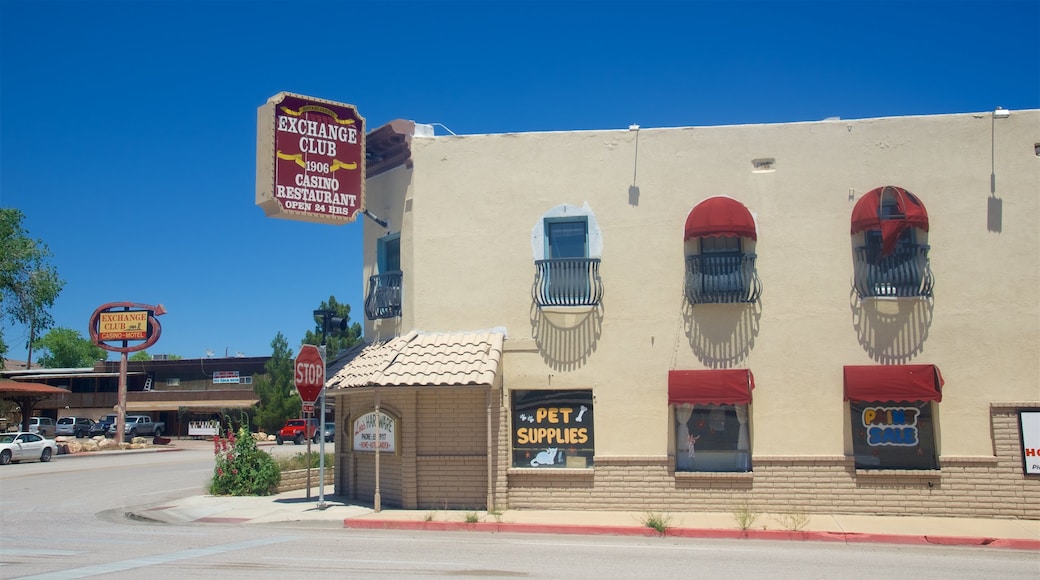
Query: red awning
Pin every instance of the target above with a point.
(866, 215)
(720, 216)
(710, 387)
(893, 383)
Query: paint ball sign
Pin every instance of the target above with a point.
(310, 163)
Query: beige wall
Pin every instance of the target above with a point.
(467, 208)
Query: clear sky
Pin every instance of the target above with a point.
(128, 129)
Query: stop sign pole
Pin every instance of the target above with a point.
(309, 380)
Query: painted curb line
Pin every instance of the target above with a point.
(804, 536)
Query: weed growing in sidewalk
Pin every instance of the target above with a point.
(428, 517)
(744, 515)
(793, 521)
(472, 517)
(657, 521)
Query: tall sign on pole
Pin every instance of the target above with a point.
(123, 322)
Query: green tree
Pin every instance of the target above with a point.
(278, 398)
(337, 339)
(64, 348)
(29, 285)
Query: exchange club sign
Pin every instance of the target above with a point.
(310, 159)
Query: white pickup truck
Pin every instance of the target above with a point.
(139, 426)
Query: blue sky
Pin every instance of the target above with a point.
(128, 129)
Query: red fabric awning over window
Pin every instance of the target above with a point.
(865, 216)
(720, 216)
(710, 387)
(893, 383)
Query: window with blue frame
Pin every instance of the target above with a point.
(384, 288)
(567, 249)
(388, 250)
(567, 238)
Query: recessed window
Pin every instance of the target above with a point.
(718, 269)
(712, 430)
(891, 414)
(892, 261)
(383, 299)
(893, 435)
(567, 246)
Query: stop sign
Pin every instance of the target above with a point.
(309, 377)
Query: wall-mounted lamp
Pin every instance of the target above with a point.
(1001, 113)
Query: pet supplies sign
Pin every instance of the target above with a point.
(553, 429)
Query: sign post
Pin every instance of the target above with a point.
(309, 380)
(123, 322)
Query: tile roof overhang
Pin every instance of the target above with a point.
(420, 359)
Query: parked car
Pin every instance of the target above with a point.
(139, 426)
(42, 425)
(78, 426)
(23, 446)
(330, 432)
(102, 425)
(298, 431)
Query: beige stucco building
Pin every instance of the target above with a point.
(829, 316)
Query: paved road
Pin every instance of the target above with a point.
(66, 519)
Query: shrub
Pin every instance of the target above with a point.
(241, 467)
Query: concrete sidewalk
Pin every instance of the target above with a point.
(294, 507)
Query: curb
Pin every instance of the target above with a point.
(846, 537)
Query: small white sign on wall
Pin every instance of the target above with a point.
(366, 434)
(1029, 424)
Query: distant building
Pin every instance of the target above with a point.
(173, 391)
(836, 316)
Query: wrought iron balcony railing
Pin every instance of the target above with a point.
(567, 282)
(715, 279)
(383, 299)
(904, 273)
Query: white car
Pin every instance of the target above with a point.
(25, 447)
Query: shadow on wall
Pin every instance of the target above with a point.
(566, 338)
(721, 335)
(892, 331)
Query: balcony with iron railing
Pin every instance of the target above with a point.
(567, 282)
(905, 273)
(719, 279)
(383, 299)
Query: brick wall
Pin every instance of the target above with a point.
(297, 479)
(441, 459)
(442, 464)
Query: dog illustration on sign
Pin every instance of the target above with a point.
(547, 457)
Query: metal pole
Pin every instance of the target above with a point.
(306, 424)
(121, 410)
(321, 427)
(379, 441)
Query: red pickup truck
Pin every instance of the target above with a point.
(298, 431)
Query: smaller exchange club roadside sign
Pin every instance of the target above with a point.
(309, 374)
(124, 322)
(310, 159)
